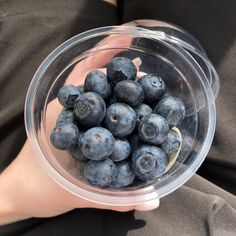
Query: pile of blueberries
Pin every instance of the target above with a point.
(119, 125)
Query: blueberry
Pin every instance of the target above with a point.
(120, 119)
(130, 92)
(89, 109)
(78, 154)
(124, 177)
(81, 88)
(148, 162)
(121, 68)
(172, 143)
(134, 141)
(66, 116)
(67, 95)
(65, 136)
(100, 173)
(153, 129)
(153, 86)
(97, 143)
(96, 81)
(142, 110)
(122, 150)
(172, 109)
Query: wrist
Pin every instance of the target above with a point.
(9, 213)
(10, 196)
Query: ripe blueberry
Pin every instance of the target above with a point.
(67, 95)
(148, 162)
(121, 151)
(97, 143)
(96, 81)
(65, 136)
(124, 177)
(100, 173)
(89, 109)
(130, 92)
(121, 68)
(153, 86)
(172, 109)
(153, 129)
(120, 119)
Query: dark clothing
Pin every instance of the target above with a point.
(30, 30)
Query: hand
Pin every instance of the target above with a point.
(25, 188)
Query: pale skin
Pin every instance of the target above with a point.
(113, 2)
(27, 191)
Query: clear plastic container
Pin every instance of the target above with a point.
(185, 76)
(178, 37)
